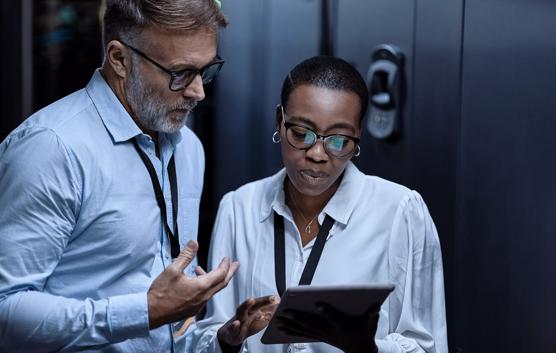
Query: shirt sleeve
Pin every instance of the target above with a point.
(416, 307)
(222, 306)
(40, 200)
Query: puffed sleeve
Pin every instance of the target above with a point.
(416, 307)
(222, 305)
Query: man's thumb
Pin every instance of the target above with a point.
(186, 255)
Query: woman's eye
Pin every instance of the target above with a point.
(299, 133)
(338, 142)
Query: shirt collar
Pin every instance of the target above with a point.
(274, 197)
(116, 119)
(340, 207)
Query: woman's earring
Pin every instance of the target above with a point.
(276, 137)
(357, 151)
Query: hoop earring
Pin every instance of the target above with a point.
(358, 151)
(276, 137)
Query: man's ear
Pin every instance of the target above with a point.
(118, 57)
(278, 117)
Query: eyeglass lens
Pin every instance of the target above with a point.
(184, 78)
(303, 138)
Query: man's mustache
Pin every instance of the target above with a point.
(188, 105)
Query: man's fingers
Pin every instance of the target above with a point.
(199, 271)
(218, 278)
(231, 271)
(186, 255)
(234, 266)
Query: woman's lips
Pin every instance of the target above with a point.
(313, 177)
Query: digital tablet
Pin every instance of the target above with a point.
(350, 299)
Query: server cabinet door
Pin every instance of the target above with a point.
(424, 157)
(362, 25)
(263, 42)
(507, 180)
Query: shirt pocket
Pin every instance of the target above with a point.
(188, 222)
(188, 218)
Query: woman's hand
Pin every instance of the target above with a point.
(350, 333)
(251, 317)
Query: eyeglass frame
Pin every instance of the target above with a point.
(288, 125)
(173, 74)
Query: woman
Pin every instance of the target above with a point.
(380, 232)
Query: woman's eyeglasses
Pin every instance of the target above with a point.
(303, 138)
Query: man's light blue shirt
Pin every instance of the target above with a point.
(81, 237)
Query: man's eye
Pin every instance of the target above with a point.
(185, 73)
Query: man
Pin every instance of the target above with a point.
(101, 189)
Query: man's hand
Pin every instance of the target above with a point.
(346, 332)
(251, 317)
(173, 296)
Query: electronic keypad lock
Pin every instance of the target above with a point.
(385, 91)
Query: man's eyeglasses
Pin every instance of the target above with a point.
(183, 78)
(303, 138)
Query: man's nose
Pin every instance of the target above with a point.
(195, 90)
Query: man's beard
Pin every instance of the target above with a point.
(150, 111)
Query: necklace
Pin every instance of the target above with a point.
(308, 224)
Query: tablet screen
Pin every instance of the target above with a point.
(350, 299)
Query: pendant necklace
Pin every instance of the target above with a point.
(308, 226)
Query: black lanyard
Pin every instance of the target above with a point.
(280, 253)
(173, 237)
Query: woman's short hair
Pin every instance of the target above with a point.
(125, 19)
(327, 72)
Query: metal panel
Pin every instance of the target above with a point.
(264, 41)
(435, 127)
(362, 25)
(507, 186)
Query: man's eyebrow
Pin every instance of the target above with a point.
(182, 66)
(189, 65)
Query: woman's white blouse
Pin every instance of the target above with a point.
(383, 232)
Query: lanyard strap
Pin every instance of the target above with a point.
(280, 253)
(173, 237)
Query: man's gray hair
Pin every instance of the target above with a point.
(125, 19)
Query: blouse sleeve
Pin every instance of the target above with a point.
(416, 307)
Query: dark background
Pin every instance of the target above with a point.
(476, 140)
